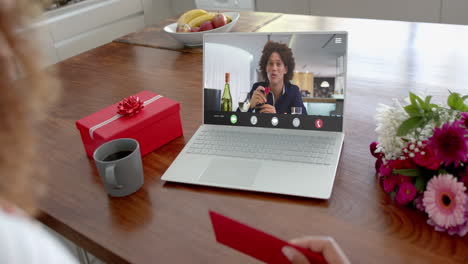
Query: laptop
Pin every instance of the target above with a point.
(278, 125)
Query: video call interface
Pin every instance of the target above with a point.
(277, 80)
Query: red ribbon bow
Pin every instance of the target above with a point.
(130, 106)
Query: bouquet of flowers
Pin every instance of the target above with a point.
(422, 158)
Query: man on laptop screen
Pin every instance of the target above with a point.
(273, 114)
(275, 94)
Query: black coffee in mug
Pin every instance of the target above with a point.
(119, 165)
(118, 155)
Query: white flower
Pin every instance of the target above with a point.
(389, 118)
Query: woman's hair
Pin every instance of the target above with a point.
(286, 56)
(25, 92)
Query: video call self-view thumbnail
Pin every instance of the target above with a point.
(287, 80)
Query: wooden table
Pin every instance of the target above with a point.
(169, 223)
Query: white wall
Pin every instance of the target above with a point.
(220, 59)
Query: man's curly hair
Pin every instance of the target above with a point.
(286, 56)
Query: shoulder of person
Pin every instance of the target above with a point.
(293, 88)
(22, 240)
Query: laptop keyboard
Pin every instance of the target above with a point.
(251, 145)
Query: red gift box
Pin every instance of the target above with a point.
(156, 124)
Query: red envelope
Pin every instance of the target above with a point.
(255, 243)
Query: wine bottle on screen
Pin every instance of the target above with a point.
(226, 99)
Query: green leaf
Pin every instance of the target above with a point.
(452, 100)
(420, 101)
(412, 110)
(459, 103)
(416, 172)
(428, 99)
(427, 103)
(437, 120)
(420, 183)
(456, 102)
(409, 124)
(412, 98)
(434, 106)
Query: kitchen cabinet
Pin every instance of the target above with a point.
(41, 33)
(70, 30)
(94, 23)
(435, 11)
(229, 5)
(406, 10)
(156, 10)
(73, 29)
(454, 12)
(180, 6)
(282, 6)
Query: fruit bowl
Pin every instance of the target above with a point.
(196, 38)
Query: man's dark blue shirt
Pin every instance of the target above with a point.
(290, 98)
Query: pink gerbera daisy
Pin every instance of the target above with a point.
(450, 144)
(460, 230)
(444, 201)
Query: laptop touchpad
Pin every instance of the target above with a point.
(231, 172)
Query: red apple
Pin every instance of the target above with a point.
(219, 20)
(195, 29)
(207, 25)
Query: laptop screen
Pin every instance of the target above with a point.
(275, 80)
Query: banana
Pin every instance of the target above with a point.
(196, 22)
(190, 15)
(229, 19)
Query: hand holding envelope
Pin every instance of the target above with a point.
(272, 250)
(325, 245)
